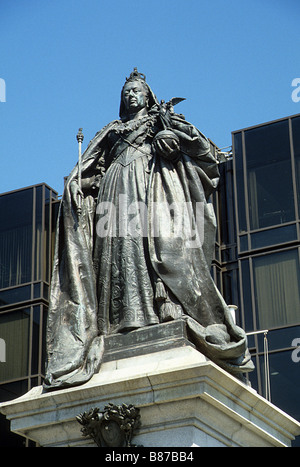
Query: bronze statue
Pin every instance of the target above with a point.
(135, 241)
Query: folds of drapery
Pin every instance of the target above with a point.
(74, 346)
(183, 263)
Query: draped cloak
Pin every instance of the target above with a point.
(102, 281)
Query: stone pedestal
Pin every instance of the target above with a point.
(184, 399)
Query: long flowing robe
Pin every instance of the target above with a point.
(122, 264)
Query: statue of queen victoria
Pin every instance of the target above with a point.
(135, 240)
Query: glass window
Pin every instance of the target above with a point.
(44, 326)
(48, 195)
(38, 233)
(37, 290)
(269, 175)
(274, 236)
(279, 338)
(227, 222)
(239, 169)
(230, 287)
(46, 291)
(277, 285)
(244, 243)
(54, 216)
(47, 236)
(296, 144)
(284, 383)
(246, 290)
(35, 341)
(228, 254)
(15, 238)
(252, 375)
(15, 295)
(14, 329)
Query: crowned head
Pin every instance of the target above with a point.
(136, 95)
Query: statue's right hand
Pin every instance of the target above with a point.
(76, 195)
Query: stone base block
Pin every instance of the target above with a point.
(184, 400)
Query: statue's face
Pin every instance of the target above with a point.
(134, 96)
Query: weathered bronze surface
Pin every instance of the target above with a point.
(124, 258)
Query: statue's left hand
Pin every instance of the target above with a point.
(167, 150)
(77, 195)
(166, 145)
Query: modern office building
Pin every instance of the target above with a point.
(257, 252)
(28, 218)
(256, 264)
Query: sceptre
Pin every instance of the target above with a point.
(79, 138)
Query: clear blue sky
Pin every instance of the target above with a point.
(64, 63)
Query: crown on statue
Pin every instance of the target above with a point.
(136, 75)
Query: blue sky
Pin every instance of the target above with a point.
(64, 63)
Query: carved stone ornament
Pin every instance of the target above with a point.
(112, 427)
